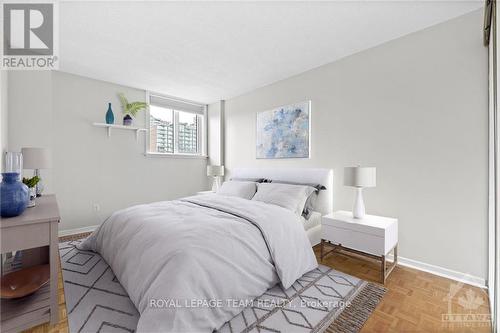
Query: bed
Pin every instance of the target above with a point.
(190, 265)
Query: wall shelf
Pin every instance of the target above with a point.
(121, 127)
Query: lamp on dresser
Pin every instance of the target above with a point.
(215, 171)
(360, 177)
(36, 159)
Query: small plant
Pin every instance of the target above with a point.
(131, 108)
(31, 182)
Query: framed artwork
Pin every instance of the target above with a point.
(284, 132)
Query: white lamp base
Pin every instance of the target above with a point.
(358, 211)
(216, 184)
(38, 187)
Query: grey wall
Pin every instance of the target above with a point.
(92, 175)
(3, 115)
(215, 114)
(30, 114)
(417, 109)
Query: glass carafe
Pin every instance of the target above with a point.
(13, 163)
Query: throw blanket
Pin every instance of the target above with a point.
(190, 265)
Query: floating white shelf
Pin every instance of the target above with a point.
(122, 127)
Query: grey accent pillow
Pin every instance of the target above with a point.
(240, 189)
(309, 205)
(292, 197)
(318, 187)
(255, 180)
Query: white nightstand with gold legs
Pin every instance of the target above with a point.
(372, 236)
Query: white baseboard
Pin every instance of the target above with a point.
(69, 232)
(441, 271)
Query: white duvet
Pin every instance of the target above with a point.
(190, 265)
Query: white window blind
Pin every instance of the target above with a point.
(170, 103)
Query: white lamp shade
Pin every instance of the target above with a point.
(215, 170)
(36, 158)
(360, 176)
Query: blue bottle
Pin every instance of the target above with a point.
(14, 195)
(110, 117)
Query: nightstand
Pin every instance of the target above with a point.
(372, 236)
(205, 192)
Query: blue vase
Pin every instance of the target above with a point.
(110, 117)
(14, 195)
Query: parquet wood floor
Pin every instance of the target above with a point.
(415, 300)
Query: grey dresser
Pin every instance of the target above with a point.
(36, 233)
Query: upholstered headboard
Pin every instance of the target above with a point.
(324, 203)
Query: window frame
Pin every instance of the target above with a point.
(202, 133)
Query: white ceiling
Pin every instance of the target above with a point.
(206, 51)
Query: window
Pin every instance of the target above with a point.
(187, 133)
(161, 130)
(176, 127)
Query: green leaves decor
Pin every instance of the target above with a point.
(31, 182)
(131, 108)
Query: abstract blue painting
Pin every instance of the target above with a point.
(284, 132)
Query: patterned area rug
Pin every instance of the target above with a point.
(323, 300)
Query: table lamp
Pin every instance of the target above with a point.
(360, 177)
(215, 171)
(36, 159)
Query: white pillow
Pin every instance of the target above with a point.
(292, 197)
(245, 190)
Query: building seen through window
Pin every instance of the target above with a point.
(163, 125)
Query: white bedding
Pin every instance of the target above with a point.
(208, 247)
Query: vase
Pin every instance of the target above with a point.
(14, 195)
(127, 120)
(110, 117)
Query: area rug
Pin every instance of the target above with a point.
(323, 300)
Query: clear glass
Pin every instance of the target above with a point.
(161, 130)
(32, 193)
(187, 133)
(13, 162)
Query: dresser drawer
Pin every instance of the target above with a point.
(353, 239)
(25, 237)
